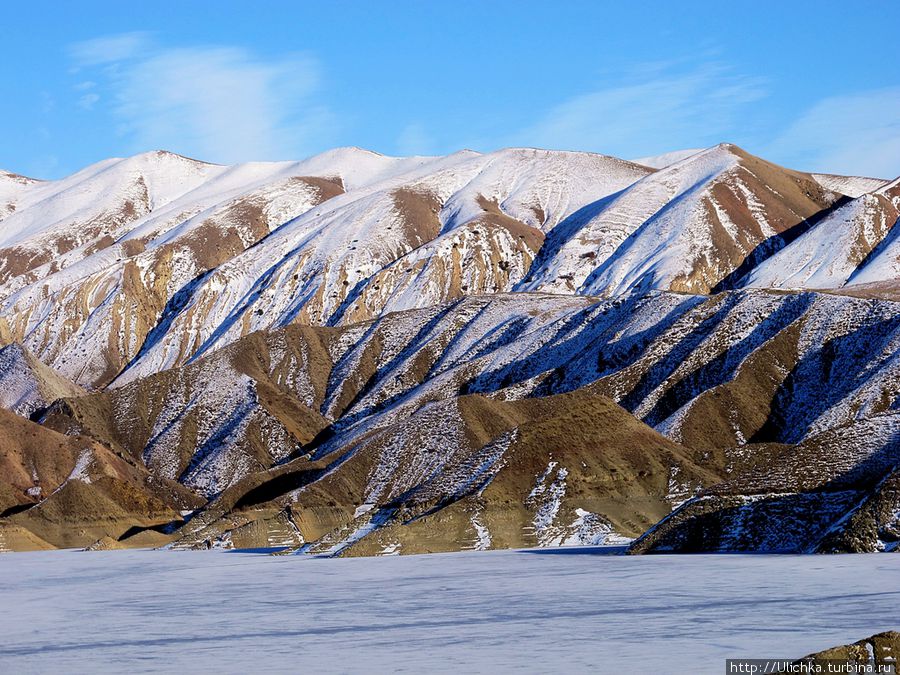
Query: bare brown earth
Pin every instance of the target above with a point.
(15, 538)
(419, 214)
(68, 491)
(281, 420)
(885, 290)
(260, 435)
(625, 485)
(489, 254)
(96, 234)
(617, 468)
(492, 253)
(264, 437)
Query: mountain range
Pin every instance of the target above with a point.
(357, 354)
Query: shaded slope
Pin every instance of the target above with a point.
(839, 249)
(836, 491)
(27, 385)
(466, 472)
(325, 355)
(372, 425)
(686, 227)
(208, 424)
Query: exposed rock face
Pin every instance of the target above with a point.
(882, 649)
(357, 354)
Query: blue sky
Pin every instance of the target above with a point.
(811, 85)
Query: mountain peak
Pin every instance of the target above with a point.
(167, 155)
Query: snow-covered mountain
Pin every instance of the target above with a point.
(688, 227)
(854, 243)
(356, 353)
(235, 249)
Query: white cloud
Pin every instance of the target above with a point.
(110, 49)
(221, 104)
(658, 108)
(87, 101)
(851, 134)
(48, 102)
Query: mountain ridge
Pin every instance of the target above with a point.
(361, 354)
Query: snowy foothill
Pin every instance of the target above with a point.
(498, 611)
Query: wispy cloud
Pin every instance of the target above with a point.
(853, 134)
(87, 101)
(655, 108)
(218, 103)
(110, 49)
(414, 140)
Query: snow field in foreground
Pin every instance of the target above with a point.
(534, 611)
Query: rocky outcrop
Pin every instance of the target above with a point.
(882, 649)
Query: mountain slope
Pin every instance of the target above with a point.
(357, 354)
(838, 491)
(213, 422)
(104, 291)
(360, 422)
(686, 227)
(850, 245)
(510, 477)
(89, 312)
(27, 385)
(70, 490)
(432, 237)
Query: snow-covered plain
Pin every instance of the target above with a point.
(537, 611)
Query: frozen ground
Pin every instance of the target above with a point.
(564, 609)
